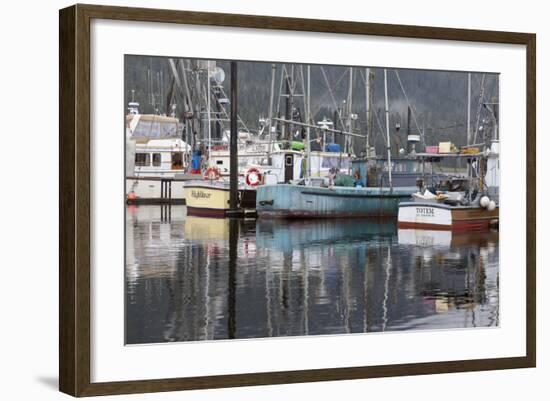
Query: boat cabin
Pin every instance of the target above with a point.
(154, 146)
(158, 157)
(405, 171)
(289, 165)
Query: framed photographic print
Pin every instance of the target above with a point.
(250, 200)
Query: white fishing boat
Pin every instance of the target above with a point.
(156, 158)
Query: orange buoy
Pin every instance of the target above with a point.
(131, 195)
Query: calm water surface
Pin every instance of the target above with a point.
(193, 278)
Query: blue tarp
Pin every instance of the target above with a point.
(332, 147)
(196, 161)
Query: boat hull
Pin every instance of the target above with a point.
(206, 200)
(212, 199)
(298, 201)
(438, 216)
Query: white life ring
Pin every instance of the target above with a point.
(253, 177)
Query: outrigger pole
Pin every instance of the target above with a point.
(319, 128)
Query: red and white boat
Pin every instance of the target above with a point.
(437, 215)
(458, 203)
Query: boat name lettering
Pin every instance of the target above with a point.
(200, 194)
(425, 211)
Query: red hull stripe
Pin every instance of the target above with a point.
(460, 225)
(205, 212)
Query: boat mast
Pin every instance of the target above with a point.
(190, 106)
(278, 112)
(270, 112)
(468, 133)
(387, 126)
(287, 133)
(209, 122)
(350, 97)
(308, 119)
(367, 101)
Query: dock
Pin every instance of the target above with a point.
(165, 194)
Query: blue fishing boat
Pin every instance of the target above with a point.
(301, 201)
(370, 192)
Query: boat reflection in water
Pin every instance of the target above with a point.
(194, 278)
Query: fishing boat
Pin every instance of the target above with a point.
(460, 204)
(352, 197)
(375, 190)
(209, 196)
(259, 163)
(304, 201)
(156, 158)
(207, 199)
(440, 216)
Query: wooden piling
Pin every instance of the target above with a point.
(233, 148)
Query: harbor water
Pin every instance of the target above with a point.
(193, 278)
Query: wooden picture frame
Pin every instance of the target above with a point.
(75, 208)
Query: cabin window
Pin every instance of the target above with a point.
(143, 159)
(156, 159)
(288, 160)
(177, 160)
(219, 162)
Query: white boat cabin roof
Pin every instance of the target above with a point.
(166, 145)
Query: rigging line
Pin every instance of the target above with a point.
(225, 111)
(480, 104)
(446, 127)
(363, 76)
(292, 86)
(319, 100)
(177, 94)
(289, 79)
(412, 108)
(279, 98)
(381, 132)
(303, 91)
(318, 107)
(332, 96)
